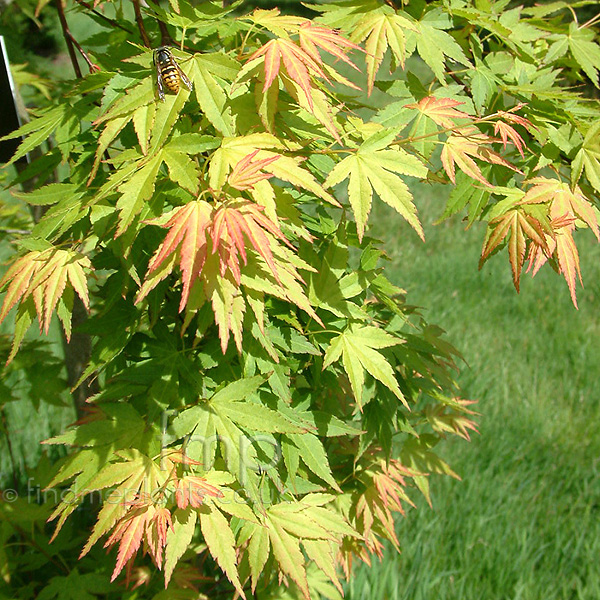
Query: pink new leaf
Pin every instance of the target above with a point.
(328, 40)
(186, 240)
(440, 110)
(247, 172)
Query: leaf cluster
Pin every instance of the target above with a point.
(267, 400)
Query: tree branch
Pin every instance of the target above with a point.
(77, 354)
(92, 66)
(68, 37)
(140, 23)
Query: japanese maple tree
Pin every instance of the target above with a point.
(263, 400)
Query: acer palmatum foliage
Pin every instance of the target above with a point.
(238, 208)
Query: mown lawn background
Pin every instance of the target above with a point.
(523, 524)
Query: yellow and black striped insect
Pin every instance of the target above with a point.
(168, 72)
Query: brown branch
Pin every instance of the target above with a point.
(93, 67)
(68, 37)
(77, 354)
(165, 37)
(140, 23)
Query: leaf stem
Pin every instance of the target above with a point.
(241, 50)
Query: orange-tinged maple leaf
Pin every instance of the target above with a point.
(519, 226)
(441, 111)
(460, 149)
(248, 172)
(457, 421)
(568, 260)
(361, 549)
(187, 242)
(192, 490)
(384, 492)
(313, 37)
(198, 231)
(385, 483)
(562, 245)
(563, 201)
(233, 223)
(143, 520)
(44, 276)
(508, 132)
(187, 577)
(158, 524)
(129, 532)
(566, 206)
(296, 61)
(140, 576)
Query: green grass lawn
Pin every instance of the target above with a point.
(524, 522)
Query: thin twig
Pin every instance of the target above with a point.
(113, 22)
(93, 67)
(68, 37)
(140, 23)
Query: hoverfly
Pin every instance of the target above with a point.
(168, 72)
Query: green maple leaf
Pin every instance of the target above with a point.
(585, 51)
(231, 402)
(179, 538)
(287, 525)
(136, 191)
(167, 114)
(143, 121)
(313, 454)
(136, 96)
(287, 553)
(357, 347)
(588, 158)
(435, 45)
(258, 550)
(76, 586)
(211, 96)
(182, 170)
(382, 29)
(221, 543)
(36, 131)
(49, 194)
(122, 428)
(375, 168)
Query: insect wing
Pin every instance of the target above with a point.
(159, 83)
(183, 77)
